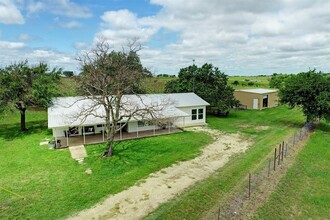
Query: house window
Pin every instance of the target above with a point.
(200, 113)
(193, 114)
(73, 130)
(140, 123)
(89, 129)
(144, 123)
(197, 114)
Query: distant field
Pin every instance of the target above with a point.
(249, 81)
(304, 193)
(68, 86)
(155, 84)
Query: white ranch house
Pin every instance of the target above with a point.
(178, 110)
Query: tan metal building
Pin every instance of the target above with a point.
(257, 98)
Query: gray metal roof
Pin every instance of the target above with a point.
(258, 91)
(65, 111)
(186, 99)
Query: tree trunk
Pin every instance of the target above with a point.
(109, 152)
(23, 126)
(21, 106)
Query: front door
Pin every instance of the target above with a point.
(255, 104)
(265, 101)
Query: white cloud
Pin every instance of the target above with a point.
(122, 19)
(26, 37)
(7, 45)
(242, 37)
(34, 7)
(70, 24)
(9, 13)
(118, 27)
(65, 8)
(80, 45)
(12, 52)
(70, 9)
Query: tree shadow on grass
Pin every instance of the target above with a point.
(287, 122)
(13, 130)
(323, 126)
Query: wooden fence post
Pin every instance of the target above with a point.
(219, 214)
(275, 160)
(294, 139)
(279, 155)
(269, 167)
(249, 185)
(282, 150)
(286, 150)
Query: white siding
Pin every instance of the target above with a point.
(187, 121)
(99, 129)
(58, 132)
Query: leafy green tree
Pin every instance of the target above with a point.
(277, 80)
(147, 73)
(209, 83)
(235, 83)
(23, 86)
(68, 73)
(310, 91)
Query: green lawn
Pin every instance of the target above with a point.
(304, 193)
(55, 186)
(202, 198)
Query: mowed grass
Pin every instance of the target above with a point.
(304, 193)
(56, 186)
(266, 129)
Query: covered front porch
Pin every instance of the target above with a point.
(100, 138)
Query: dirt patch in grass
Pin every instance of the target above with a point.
(162, 186)
(262, 128)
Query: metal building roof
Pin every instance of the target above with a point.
(258, 91)
(66, 111)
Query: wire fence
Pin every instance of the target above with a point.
(233, 208)
(7, 197)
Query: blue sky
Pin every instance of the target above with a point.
(242, 37)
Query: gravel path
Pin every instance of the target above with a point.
(162, 186)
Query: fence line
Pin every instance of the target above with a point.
(233, 208)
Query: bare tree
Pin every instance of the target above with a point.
(112, 80)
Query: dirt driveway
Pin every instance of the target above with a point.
(162, 186)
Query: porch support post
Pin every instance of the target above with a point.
(84, 134)
(54, 134)
(121, 133)
(103, 132)
(67, 137)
